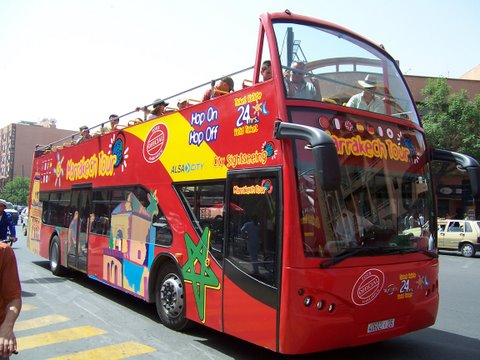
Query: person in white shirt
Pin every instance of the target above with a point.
(367, 99)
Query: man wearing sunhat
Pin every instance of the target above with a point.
(159, 106)
(367, 99)
(297, 86)
(84, 134)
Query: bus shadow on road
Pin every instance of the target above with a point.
(44, 280)
(427, 344)
(50, 279)
(110, 293)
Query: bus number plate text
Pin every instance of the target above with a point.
(380, 325)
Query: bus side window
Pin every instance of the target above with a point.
(252, 227)
(100, 216)
(205, 203)
(100, 222)
(163, 231)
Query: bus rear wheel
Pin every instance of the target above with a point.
(170, 298)
(55, 258)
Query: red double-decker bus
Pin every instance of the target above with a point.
(297, 213)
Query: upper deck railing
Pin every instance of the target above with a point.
(192, 96)
(335, 62)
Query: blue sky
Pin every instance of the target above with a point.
(78, 61)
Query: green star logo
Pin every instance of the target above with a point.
(197, 270)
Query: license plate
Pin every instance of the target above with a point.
(380, 325)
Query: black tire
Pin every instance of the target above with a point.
(170, 298)
(467, 250)
(55, 257)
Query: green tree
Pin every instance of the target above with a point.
(451, 121)
(17, 191)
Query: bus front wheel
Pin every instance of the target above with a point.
(170, 298)
(54, 257)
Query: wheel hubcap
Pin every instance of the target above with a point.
(467, 251)
(171, 296)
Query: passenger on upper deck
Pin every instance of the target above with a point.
(266, 70)
(84, 134)
(182, 104)
(224, 86)
(114, 120)
(297, 86)
(367, 99)
(158, 109)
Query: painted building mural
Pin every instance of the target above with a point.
(127, 260)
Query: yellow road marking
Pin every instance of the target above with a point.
(28, 307)
(112, 352)
(54, 337)
(39, 322)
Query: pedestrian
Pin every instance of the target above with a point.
(7, 227)
(10, 300)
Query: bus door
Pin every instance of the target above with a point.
(77, 236)
(252, 256)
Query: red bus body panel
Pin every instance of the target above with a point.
(358, 301)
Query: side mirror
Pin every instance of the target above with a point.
(466, 162)
(327, 164)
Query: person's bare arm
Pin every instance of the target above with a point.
(8, 341)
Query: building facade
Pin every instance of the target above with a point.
(17, 145)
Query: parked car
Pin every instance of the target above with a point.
(461, 235)
(416, 231)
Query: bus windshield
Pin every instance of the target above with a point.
(384, 200)
(327, 65)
